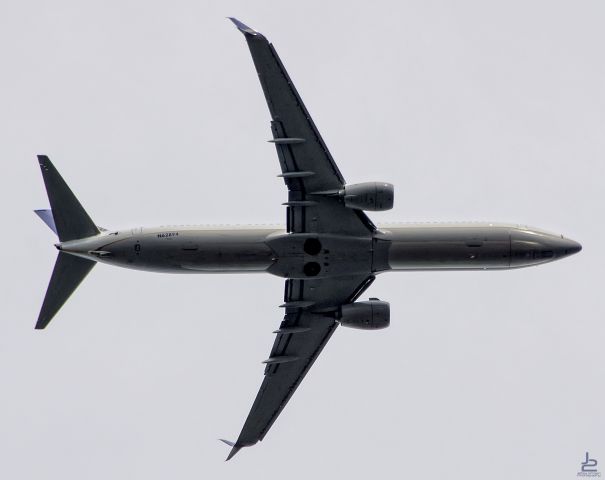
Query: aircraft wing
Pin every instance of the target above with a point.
(306, 164)
(314, 206)
(299, 341)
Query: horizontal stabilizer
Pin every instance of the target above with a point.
(70, 218)
(47, 217)
(68, 273)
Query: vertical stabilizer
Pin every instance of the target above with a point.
(70, 218)
(68, 273)
(46, 216)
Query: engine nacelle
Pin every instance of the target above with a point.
(371, 315)
(373, 196)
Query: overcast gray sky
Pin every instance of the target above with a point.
(153, 113)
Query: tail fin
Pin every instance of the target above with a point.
(70, 218)
(69, 221)
(68, 273)
(47, 217)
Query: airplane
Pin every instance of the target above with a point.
(329, 252)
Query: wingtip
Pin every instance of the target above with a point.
(42, 321)
(232, 453)
(41, 324)
(242, 27)
(234, 448)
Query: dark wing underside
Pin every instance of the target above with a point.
(299, 341)
(306, 163)
(313, 180)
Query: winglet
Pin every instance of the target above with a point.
(242, 27)
(236, 448)
(228, 442)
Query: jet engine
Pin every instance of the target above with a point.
(371, 315)
(372, 196)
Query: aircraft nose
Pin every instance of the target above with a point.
(558, 247)
(530, 247)
(567, 247)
